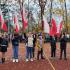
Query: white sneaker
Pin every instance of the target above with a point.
(16, 60)
(27, 60)
(31, 59)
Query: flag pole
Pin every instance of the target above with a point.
(8, 19)
(21, 10)
(28, 15)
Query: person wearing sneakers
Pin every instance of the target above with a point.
(15, 44)
(29, 47)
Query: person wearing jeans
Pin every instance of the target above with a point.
(15, 44)
(29, 52)
(15, 52)
(29, 47)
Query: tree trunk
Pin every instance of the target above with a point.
(51, 11)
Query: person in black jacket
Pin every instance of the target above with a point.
(4, 45)
(34, 43)
(63, 43)
(15, 44)
(53, 46)
(0, 41)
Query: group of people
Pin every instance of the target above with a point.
(31, 40)
(63, 45)
(30, 43)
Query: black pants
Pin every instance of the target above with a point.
(61, 51)
(33, 51)
(53, 51)
(40, 53)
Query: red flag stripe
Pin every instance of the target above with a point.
(16, 23)
(53, 29)
(3, 23)
(24, 21)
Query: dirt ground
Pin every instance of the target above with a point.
(47, 64)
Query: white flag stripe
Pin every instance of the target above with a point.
(16, 23)
(58, 20)
(2, 19)
(46, 25)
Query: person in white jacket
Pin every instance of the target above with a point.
(29, 47)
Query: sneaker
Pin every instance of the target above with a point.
(27, 60)
(16, 60)
(31, 59)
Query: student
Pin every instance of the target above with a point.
(4, 45)
(0, 41)
(15, 44)
(34, 43)
(63, 45)
(29, 47)
(53, 46)
(40, 47)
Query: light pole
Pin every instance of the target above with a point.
(42, 4)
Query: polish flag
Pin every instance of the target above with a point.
(59, 23)
(53, 29)
(46, 25)
(3, 23)
(16, 23)
(60, 29)
(24, 20)
(61, 26)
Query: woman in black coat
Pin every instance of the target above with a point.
(0, 42)
(4, 45)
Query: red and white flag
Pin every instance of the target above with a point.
(46, 25)
(3, 23)
(16, 23)
(53, 28)
(24, 20)
(59, 23)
